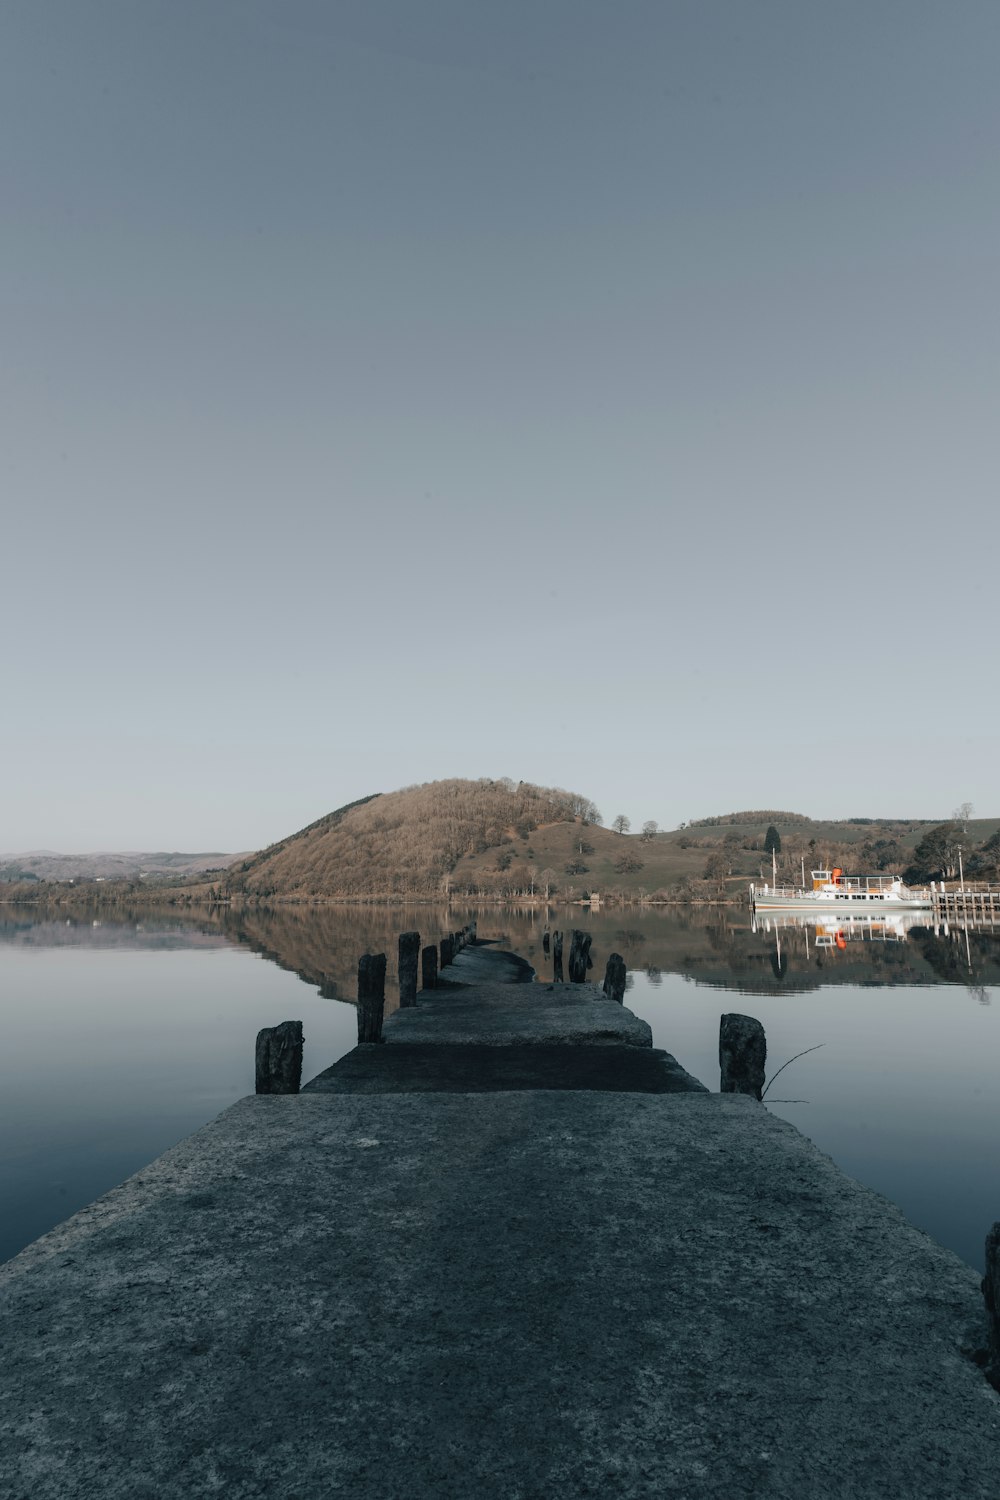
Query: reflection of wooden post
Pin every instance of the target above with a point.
(278, 1058)
(742, 1054)
(429, 968)
(614, 978)
(991, 1291)
(409, 952)
(371, 997)
(545, 941)
(447, 951)
(557, 969)
(579, 956)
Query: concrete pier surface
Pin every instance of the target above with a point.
(523, 1292)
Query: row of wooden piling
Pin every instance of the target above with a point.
(978, 905)
(371, 976)
(279, 1048)
(278, 1056)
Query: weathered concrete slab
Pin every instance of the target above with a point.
(526, 1295)
(420, 1067)
(501, 1015)
(481, 963)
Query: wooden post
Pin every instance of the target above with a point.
(371, 997)
(429, 967)
(614, 978)
(991, 1293)
(409, 952)
(742, 1054)
(557, 968)
(545, 941)
(579, 956)
(447, 951)
(278, 1058)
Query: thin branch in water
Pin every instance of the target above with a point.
(782, 1069)
(789, 1101)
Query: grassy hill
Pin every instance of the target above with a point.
(500, 840)
(404, 843)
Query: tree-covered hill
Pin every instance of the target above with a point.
(404, 843)
(507, 841)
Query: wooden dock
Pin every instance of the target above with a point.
(976, 904)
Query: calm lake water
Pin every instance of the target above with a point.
(122, 1036)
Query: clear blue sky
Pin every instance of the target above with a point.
(601, 394)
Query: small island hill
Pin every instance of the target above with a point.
(513, 1251)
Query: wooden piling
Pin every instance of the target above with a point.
(429, 967)
(742, 1055)
(579, 956)
(371, 997)
(614, 978)
(278, 1059)
(447, 951)
(557, 963)
(409, 953)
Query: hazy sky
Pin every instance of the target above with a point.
(602, 394)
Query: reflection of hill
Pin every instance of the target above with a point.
(715, 946)
(322, 944)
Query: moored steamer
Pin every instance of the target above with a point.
(846, 892)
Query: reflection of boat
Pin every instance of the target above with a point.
(844, 926)
(846, 892)
(874, 924)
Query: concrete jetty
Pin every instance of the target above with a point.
(404, 1283)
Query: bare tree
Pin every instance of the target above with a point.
(649, 830)
(621, 824)
(962, 814)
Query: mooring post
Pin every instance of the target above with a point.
(557, 968)
(409, 952)
(473, 932)
(742, 1054)
(614, 978)
(429, 968)
(447, 951)
(371, 997)
(579, 956)
(278, 1058)
(991, 1292)
(545, 941)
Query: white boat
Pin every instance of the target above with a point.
(832, 888)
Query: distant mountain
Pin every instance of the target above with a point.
(108, 865)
